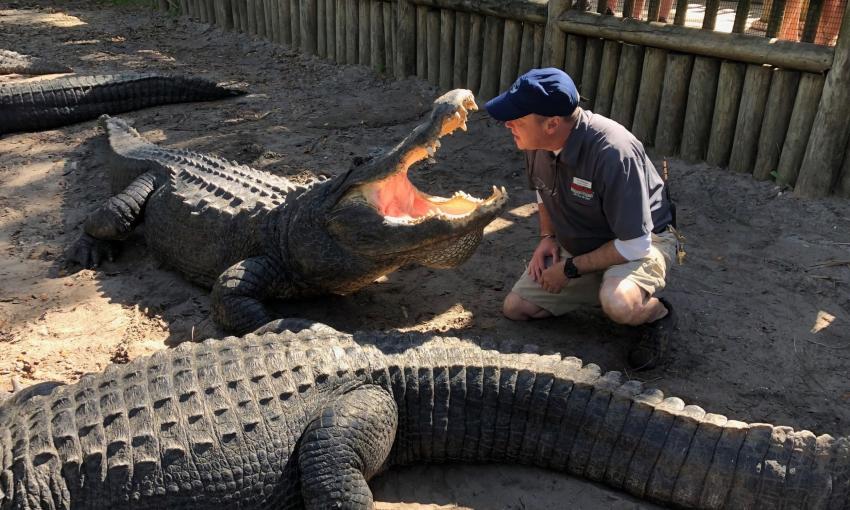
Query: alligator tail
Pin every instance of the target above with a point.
(7, 409)
(32, 106)
(462, 403)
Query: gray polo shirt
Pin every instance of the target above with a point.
(602, 186)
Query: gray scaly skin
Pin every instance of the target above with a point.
(283, 420)
(46, 104)
(16, 63)
(252, 236)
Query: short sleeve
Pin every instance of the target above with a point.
(625, 201)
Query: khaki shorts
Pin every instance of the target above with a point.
(648, 273)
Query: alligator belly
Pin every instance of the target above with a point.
(200, 242)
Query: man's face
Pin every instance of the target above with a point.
(530, 132)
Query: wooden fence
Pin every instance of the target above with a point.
(775, 109)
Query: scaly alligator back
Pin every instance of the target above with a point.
(219, 423)
(205, 201)
(37, 105)
(16, 63)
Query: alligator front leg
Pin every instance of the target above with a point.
(113, 222)
(238, 293)
(344, 446)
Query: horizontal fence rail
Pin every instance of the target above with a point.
(772, 107)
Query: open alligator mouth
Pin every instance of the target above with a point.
(396, 198)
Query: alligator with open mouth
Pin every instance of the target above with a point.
(47, 104)
(251, 235)
(284, 420)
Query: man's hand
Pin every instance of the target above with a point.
(553, 278)
(548, 247)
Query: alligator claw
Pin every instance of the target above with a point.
(89, 252)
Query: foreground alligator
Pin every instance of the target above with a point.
(46, 104)
(292, 420)
(252, 235)
(16, 63)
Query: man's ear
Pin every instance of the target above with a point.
(552, 124)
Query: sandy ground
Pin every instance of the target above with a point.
(763, 296)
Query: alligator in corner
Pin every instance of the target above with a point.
(252, 236)
(47, 104)
(283, 420)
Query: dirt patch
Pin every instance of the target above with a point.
(763, 297)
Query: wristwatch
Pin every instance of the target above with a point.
(570, 269)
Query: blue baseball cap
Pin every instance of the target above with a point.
(549, 92)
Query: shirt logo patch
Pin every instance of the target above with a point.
(581, 188)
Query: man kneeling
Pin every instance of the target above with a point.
(605, 216)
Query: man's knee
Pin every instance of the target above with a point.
(518, 309)
(622, 302)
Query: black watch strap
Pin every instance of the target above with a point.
(570, 269)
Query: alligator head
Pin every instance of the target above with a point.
(379, 213)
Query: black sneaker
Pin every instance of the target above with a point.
(651, 347)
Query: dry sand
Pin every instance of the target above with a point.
(763, 296)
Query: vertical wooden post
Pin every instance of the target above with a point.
(364, 51)
(701, 95)
(269, 19)
(243, 16)
(376, 43)
(539, 36)
(799, 128)
(405, 57)
(307, 17)
(321, 34)
(709, 21)
(728, 98)
(681, 12)
(777, 115)
(510, 54)
(750, 115)
(330, 29)
(607, 77)
(390, 12)
(574, 57)
(339, 32)
(554, 43)
(250, 12)
(590, 72)
(260, 12)
(628, 84)
(447, 47)
(422, 42)
(526, 48)
(842, 189)
(295, 22)
(649, 95)
(826, 148)
(461, 60)
(671, 113)
(352, 27)
(741, 14)
(777, 15)
(813, 18)
(476, 49)
(434, 46)
(284, 28)
(490, 65)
